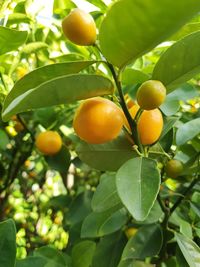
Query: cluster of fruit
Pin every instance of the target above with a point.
(98, 120)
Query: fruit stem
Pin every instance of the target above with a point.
(132, 123)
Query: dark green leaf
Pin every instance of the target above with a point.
(11, 39)
(179, 63)
(187, 131)
(190, 250)
(59, 91)
(104, 223)
(4, 140)
(138, 182)
(7, 243)
(109, 250)
(32, 262)
(105, 196)
(145, 24)
(51, 255)
(146, 242)
(82, 253)
(61, 161)
(106, 157)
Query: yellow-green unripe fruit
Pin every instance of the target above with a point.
(151, 94)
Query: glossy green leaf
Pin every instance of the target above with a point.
(82, 253)
(146, 242)
(4, 140)
(60, 161)
(145, 24)
(133, 76)
(186, 30)
(105, 196)
(11, 39)
(51, 255)
(42, 75)
(109, 250)
(180, 258)
(187, 131)
(106, 157)
(138, 182)
(7, 243)
(103, 223)
(179, 63)
(190, 250)
(34, 47)
(58, 91)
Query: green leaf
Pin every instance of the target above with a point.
(31, 262)
(82, 253)
(61, 161)
(138, 182)
(109, 250)
(190, 250)
(104, 223)
(58, 91)
(79, 208)
(179, 63)
(105, 196)
(186, 30)
(7, 243)
(34, 47)
(17, 18)
(133, 263)
(42, 75)
(11, 39)
(99, 3)
(106, 157)
(187, 131)
(145, 24)
(4, 140)
(133, 76)
(51, 255)
(146, 242)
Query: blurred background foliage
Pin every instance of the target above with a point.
(48, 197)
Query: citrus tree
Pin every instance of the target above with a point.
(102, 108)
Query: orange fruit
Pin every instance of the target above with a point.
(49, 142)
(79, 27)
(129, 101)
(151, 94)
(18, 126)
(149, 126)
(173, 168)
(98, 120)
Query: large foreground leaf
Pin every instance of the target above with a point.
(44, 74)
(189, 249)
(179, 63)
(138, 182)
(7, 244)
(132, 28)
(106, 157)
(11, 39)
(58, 91)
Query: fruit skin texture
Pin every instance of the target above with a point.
(149, 126)
(49, 142)
(173, 168)
(79, 27)
(151, 94)
(98, 120)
